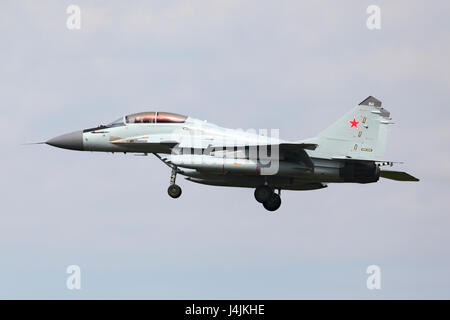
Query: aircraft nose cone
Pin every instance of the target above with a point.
(72, 141)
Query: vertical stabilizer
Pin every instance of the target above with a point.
(360, 134)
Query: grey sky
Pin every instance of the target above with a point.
(239, 64)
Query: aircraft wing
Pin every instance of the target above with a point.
(298, 146)
(287, 151)
(283, 146)
(296, 152)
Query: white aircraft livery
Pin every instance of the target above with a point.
(350, 150)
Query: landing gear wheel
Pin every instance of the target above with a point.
(263, 193)
(174, 191)
(273, 203)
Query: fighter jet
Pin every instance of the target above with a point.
(350, 150)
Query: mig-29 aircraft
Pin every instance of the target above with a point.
(350, 150)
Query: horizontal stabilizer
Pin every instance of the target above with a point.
(397, 175)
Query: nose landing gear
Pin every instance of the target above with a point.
(174, 190)
(270, 200)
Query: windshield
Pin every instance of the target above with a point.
(117, 123)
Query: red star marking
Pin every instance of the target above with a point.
(353, 123)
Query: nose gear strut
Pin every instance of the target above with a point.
(174, 190)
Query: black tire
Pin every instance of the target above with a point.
(174, 191)
(263, 193)
(273, 203)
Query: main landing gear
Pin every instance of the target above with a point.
(174, 190)
(270, 200)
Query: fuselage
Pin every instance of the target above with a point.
(209, 154)
(349, 150)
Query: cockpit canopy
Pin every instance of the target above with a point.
(155, 117)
